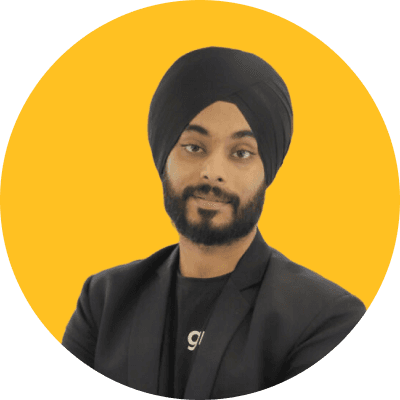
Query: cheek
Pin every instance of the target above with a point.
(172, 167)
(250, 184)
(253, 182)
(178, 169)
(253, 179)
(179, 174)
(257, 176)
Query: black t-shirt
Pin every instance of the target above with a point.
(194, 301)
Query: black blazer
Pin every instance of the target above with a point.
(273, 320)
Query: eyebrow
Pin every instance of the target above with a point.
(203, 131)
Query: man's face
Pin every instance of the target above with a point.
(214, 184)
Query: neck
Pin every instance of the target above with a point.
(199, 261)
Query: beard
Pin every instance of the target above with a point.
(243, 220)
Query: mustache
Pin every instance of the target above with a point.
(205, 189)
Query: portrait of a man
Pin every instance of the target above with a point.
(221, 313)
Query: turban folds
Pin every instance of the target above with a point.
(204, 76)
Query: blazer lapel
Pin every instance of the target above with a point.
(148, 327)
(229, 312)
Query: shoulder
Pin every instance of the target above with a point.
(125, 278)
(297, 287)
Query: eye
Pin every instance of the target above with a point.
(192, 148)
(243, 154)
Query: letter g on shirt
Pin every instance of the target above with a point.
(193, 343)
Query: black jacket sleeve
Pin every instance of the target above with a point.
(323, 334)
(80, 336)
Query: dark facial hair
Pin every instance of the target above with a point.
(244, 218)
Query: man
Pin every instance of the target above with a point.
(220, 314)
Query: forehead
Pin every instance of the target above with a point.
(218, 120)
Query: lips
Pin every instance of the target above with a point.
(211, 198)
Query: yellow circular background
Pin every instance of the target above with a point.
(80, 192)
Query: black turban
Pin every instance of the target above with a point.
(204, 76)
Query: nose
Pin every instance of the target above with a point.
(213, 170)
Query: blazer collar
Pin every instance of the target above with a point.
(148, 320)
(251, 267)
